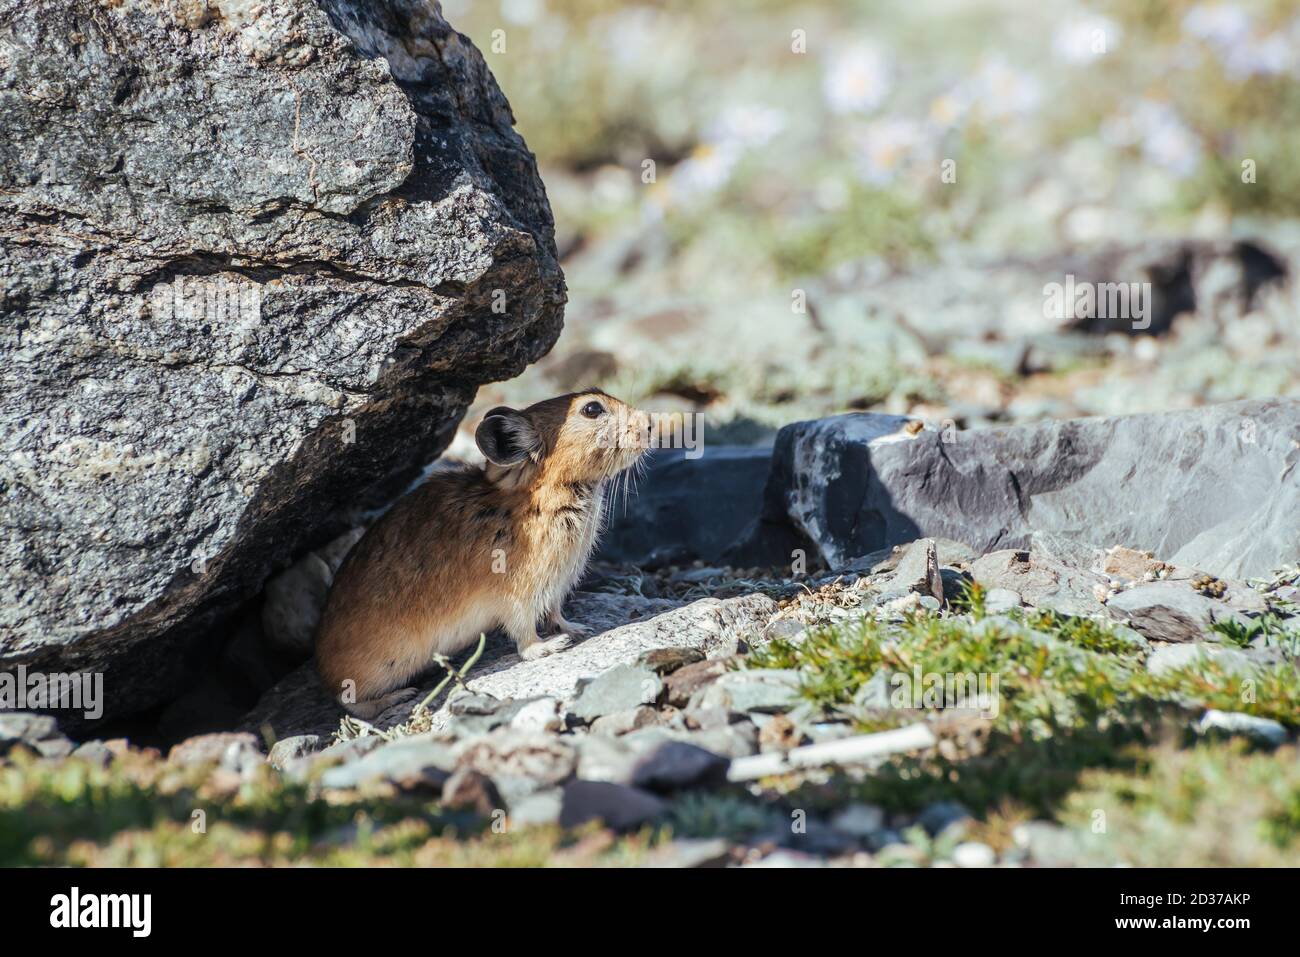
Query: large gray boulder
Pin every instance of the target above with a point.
(255, 261)
(687, 508)
(1216, 488)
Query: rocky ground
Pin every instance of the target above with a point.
(1117, 595)
(1055, 702)
(798, 253)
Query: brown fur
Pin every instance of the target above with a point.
(422, 580)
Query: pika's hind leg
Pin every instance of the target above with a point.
(522, 628)
(371, 708)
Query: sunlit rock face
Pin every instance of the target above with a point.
(255, 259)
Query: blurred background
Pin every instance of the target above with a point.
(767, 235)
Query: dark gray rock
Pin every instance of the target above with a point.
(853, 484)
(292, 603)
(939, 817)
(617, 805)
(1170, 611)
(814, 837)
(820, 487)
(878, 841)
(337, 194)
(296, 705)
(676, 764)
(686, 509)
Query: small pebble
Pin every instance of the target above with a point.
(973, 854)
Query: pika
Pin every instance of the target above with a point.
(479, 548)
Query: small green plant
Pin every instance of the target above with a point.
(1072, 694)
(703, 814)
(970, 600)
(1274, 629)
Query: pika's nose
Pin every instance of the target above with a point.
(639, 428)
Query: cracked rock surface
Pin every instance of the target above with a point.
(1215, 487)
(254, 262)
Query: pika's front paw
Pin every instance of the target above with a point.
(540, 649)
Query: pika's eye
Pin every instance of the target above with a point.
(593, 410)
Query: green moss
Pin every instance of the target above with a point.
(1072, 694)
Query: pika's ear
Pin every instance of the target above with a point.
(506, 437)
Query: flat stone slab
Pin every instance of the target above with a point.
(627, 627)
(713, 626)
(1170, 611)
(1215, 488)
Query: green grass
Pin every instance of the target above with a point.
(1075, 698)
(140, 811)
(1208, 805)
